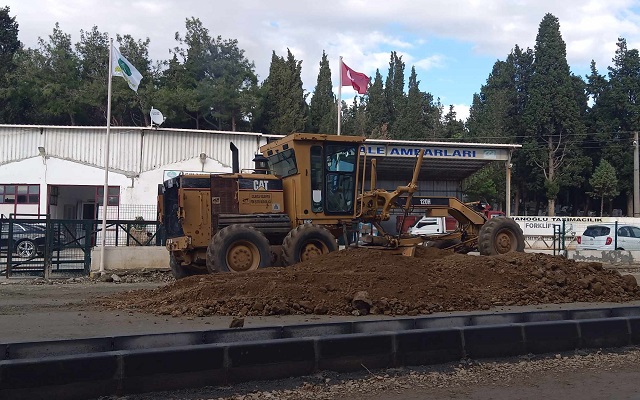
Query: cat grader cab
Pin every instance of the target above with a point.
(306, 192)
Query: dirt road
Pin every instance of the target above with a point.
(62, 311)
(65, 311)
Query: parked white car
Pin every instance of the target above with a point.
(603, 237)
(428, 226)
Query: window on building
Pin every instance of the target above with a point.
(19, 194)
(113, 195)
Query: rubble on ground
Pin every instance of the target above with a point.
(362, 281)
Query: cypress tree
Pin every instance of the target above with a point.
(394, 90)
(410, 122)
(376, 109)
(552, 114)
(284, 105)
(322, 108)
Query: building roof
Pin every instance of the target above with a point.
(443, 161)
(139, 149)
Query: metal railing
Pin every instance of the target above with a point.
(39, 245)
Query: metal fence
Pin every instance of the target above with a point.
(35, 245)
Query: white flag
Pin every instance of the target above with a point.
(120, 66)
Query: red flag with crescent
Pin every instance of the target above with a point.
(355, 79)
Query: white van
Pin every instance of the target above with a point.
(428, 226)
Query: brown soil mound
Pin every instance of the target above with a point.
(361, 281)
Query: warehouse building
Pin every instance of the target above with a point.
(59, 170)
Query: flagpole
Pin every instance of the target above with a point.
(105, 196)
(339, 94)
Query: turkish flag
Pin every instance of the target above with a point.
(357, 80)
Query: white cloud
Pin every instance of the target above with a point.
(361, 31)
(462, 111)
(434, 61)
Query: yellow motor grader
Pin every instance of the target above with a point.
(299, 200)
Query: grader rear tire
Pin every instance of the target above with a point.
(500, 235)
(306, 242)
(238, 248)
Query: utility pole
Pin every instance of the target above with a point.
(636, 177)
(508, 185)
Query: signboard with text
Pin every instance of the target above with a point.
(388, 150)
(538, 230)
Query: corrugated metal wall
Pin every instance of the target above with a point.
(131, 150)
(162, 147)
(18, 143)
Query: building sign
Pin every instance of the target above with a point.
(538, 231)
(544, 226)
(168, 173)
(379, 150)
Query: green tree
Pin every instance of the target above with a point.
(9, 43)
(615, 114)
(322, 108)
(482, 185)
(432, 117)
(12, 109)
(60, 76)
(497, 115)
(93, 52)
(376, 109)
(409, 124)
(284, 99)
(552, 115)
(394, 91)
(604, 183)
(208, 82)
(527, 180)
(354, 118)
(232, 81)
(453, 127)
(174, 94)
(21, 100)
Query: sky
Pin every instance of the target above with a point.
(453, 44)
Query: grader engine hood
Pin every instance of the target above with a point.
(260, 196)
(246, 194)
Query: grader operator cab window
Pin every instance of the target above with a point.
(340, 162)
(283, 164)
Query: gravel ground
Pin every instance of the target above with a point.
(583, 375)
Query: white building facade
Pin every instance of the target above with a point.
(60, 170)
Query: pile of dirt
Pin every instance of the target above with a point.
(362, 281)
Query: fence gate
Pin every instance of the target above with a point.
(70, 246)
(34, 245)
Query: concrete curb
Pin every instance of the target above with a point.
(96, 367)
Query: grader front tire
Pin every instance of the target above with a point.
(306, 242)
